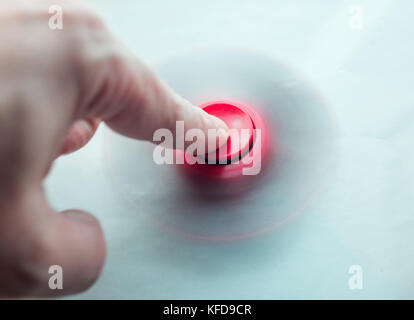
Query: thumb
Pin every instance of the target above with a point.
(71, 241)
(80, 250)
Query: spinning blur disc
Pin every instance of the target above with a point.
(298, 163)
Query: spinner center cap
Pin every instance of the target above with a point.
(241, 133)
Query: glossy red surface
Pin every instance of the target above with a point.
(231, 178)
(241, 129)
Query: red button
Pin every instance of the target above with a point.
(241, 130)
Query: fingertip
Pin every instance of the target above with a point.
(83, 238)
(221, 128)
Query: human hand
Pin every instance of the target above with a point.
(55, 88)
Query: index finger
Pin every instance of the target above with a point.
(133, 101)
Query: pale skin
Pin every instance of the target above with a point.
(55, 89)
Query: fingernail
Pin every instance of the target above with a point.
(79, 215)
(220, 124)
(222, 130)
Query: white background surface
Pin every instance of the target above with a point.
(366, 217)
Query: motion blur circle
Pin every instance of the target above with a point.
(298, 165)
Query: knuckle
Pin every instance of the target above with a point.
(92, 19)
(111, 79)
(113, 60)
(83, 16)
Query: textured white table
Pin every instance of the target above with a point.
(367, 215)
